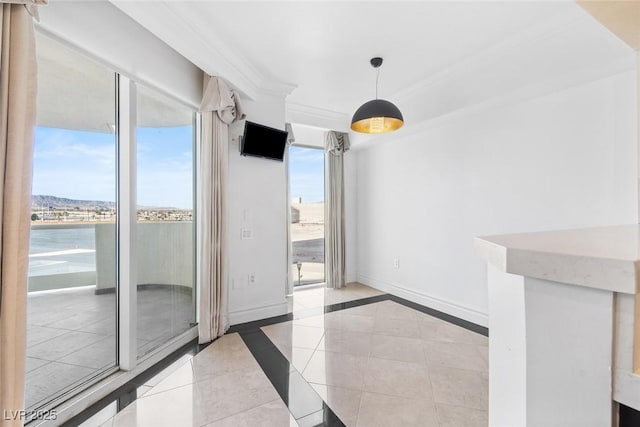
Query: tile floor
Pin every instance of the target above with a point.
(378, 364)
(71, 334)
(317, 296)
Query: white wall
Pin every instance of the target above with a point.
(351, 214)
(257, 201)
(564, 160)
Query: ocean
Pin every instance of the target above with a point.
(55, 250)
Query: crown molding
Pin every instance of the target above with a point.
(166, 20)
(277, 88)
(317, 117)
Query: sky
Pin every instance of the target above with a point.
(82, 165)
(306, 174)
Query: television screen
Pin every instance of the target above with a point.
(263, 141)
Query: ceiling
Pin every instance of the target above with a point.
(76, 92)
(317, 53)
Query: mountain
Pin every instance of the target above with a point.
(40, 201)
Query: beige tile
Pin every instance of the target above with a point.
(367, 310)
(481, 340)
(180, 377)
(228, 342)
(297, 356)
(395, 327)
(447, 332)
(352, 322)
(166, 372)
(341, 295)
(339, 320)
(428, 318)
(397, 348)
(336, 369)
(459, 387)
(455, 355)
(289, 335)
(340, 341)
(397, 378)
(379, 410)
(200, 403)
(220, 362)
(142, 390)
(393, 310)
(343, 401)
(456, 416)
(221, 396)
(484, 353)
(272, 414)
(363, 290)
(319, 321)
(171, 408)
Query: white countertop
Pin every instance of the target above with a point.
(600, 257)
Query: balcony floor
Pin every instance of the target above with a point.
(71, 334)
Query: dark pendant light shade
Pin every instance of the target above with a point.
(378, 115)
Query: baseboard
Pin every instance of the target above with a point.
(252, 314)
(439, 304)
(187, 290)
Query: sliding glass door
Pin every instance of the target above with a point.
(71, 333)
(77, 261)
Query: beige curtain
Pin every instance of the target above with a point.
(220, 107)
(17, 120)
(334, 229)
(290, 140)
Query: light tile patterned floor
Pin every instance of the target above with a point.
(316, 296)
(379, 364)
(384, 364)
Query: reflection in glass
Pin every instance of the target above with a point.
(71, 306)
(165, 261)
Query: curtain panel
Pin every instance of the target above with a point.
(220, 107)
(336, 144)
(17, 121)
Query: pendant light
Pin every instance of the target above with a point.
(378, 115)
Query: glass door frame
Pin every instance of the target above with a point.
(127, 365)
(291, 279)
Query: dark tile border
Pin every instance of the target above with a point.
(357, 303)
(301, 399)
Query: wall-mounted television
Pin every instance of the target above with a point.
(263, 141)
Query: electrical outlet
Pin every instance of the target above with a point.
(396, 263)
(252, 279)
(246, 233)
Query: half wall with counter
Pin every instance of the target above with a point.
(561, 322)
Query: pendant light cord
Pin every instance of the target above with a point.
(377, 77)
